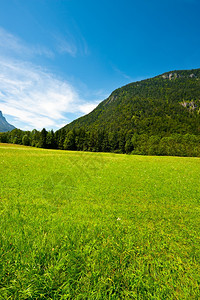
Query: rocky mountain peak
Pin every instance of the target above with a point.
(4, 125)
(178, 74)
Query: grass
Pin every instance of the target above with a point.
(80, 225)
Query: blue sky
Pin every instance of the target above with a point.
(60, 58)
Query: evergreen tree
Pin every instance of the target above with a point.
(69, 142)
(42, 139)
(50, 140)
(26, 140)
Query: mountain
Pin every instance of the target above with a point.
(156, 116)
(4, 125)
(166, 104)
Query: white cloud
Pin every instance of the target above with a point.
(68, 43)
(37, 98)
(86, 108)
(10, 44)
(32, 96)
(64, 46)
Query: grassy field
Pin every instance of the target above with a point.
(98, 226)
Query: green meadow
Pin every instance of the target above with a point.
(80, 225)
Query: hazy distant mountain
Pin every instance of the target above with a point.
(4, 125)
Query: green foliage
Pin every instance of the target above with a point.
(101, 141)
(153, 106)
(69, 142)
(163, 106)
(50, 140)
(26, 140)
(42, 139)
(80, 225)
(157, 116)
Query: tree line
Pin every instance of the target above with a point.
(99, 140)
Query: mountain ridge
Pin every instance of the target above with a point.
(156, 116)
(4, 125)
(163, 95)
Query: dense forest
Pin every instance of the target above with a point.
(102, 141)
(166, 104)
(157, 116)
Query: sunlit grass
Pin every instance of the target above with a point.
(80, 225)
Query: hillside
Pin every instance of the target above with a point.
(4, 125)
(168, 103)
(157, 116)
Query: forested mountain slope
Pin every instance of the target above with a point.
(157, 116)
(168, 103)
